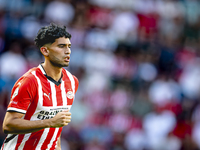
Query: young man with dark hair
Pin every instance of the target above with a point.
(41, 98)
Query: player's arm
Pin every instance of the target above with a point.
(15, 124)
(22, 96)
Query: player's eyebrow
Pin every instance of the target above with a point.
(62, 44)
(69, 45)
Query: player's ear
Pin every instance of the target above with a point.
(44, 51)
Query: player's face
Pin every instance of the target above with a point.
(59, 52)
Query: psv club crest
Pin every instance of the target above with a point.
(70, 95)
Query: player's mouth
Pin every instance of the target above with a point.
(67, 59)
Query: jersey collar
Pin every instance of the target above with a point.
(50, 78)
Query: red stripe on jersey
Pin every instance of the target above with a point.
(19, 140)
(31, 109)
(2, 146)
(48, 138)
(33, 140)
(76, 83)
(59, 95)
(68, 87)
(69, 101)
(54, 143)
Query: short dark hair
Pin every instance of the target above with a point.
(48, 34)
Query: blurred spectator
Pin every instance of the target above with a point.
(157, 125)
(135, 139)
(164, 90)
(29, 27)
(119, 98)
(189, 79)
(59, 11)
(141, 104)
(11, 70)
(125, 24)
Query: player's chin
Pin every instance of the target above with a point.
(66, 64)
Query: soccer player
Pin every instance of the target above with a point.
(42, 97)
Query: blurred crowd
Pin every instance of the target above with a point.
(137, 61)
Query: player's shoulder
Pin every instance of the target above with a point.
(29, 76)
(25, 80)
(67, 73)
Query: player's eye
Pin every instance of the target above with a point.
(61, 46)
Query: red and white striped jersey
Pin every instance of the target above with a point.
(39, 97)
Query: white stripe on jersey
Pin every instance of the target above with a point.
(64, 96)
(53, 93)
(40, 66)
(16, 109)
(42, 139)
(26, 137)
(53, 138)
(34, 117)
(39, 88)
(40, 96)
(10, 145)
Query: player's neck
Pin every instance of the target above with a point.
(52, 71)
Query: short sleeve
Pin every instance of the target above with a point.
(22, 95)
(76, 83)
